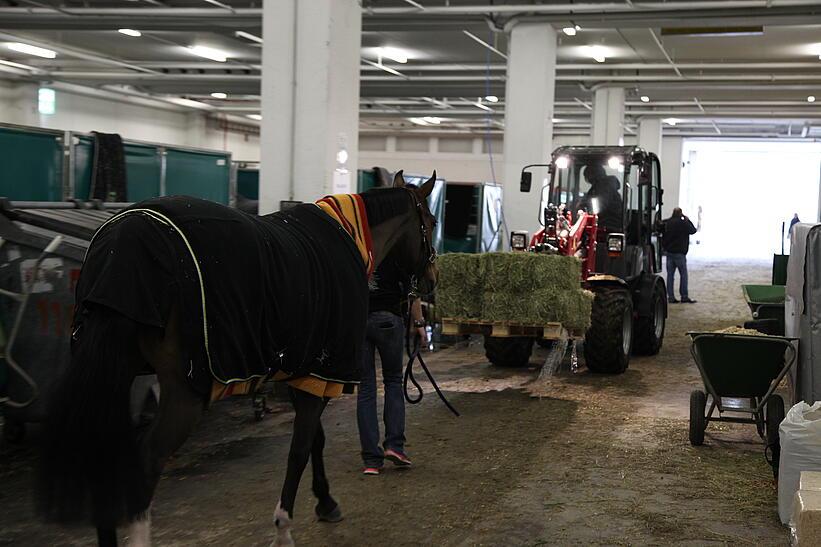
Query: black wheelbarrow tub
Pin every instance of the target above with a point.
(741, 366)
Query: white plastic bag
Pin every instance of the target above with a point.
(800, 434)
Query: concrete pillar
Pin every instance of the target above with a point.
(310, 99)
(608, 116)
(529, 92)
(650, 135)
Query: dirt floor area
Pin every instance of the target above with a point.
(574, 459)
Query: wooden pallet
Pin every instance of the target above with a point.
(504, 329)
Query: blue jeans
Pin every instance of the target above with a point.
(676, 261)
(385, 333)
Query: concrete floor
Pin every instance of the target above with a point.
(571, 459)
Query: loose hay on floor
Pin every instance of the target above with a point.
(522, 287)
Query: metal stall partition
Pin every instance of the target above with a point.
(490, 219)
(205, 175)
(32, 165)
(248, 180)
(365, 180)
(474, 218)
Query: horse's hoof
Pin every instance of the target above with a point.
(334, 515)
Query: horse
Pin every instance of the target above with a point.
(99, 467)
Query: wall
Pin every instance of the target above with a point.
(82, 113)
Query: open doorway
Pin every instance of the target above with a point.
(745, 191)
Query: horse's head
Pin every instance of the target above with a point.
(415, 249)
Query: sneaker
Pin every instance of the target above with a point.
(672, 301)
(371, 471)
(687, 301)
(397, 457)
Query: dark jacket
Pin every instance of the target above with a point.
(676, 232)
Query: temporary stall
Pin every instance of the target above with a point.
(473, 213)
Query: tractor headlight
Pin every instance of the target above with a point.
(518, 240)
(615, 243)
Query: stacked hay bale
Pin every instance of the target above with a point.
(521, 287)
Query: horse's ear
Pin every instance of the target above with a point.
(427, 188)
(398, 180)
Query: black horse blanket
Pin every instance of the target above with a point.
(284, 292)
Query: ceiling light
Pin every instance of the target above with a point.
(256, 117)
(219, 95)
(492, 98)
(130, 32)
(209, 53)
(598, 53)
(182, 101)
(393, 54)
(671, 121)
(248, 36)
(418, 121)
(811, 99)
(570, 31)
(645, 99)
(433, 120)
(32, 50)
(577, 27)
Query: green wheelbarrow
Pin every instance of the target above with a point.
(740, 374)
(766, 304)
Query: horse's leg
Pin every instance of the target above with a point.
(179, 411)
(308, 411)
(326, 509)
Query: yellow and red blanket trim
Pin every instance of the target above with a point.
(349, 211)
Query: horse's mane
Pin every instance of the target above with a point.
(383, 204)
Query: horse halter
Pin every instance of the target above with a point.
(427, 243)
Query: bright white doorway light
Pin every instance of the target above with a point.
(746, 190)
(46, 101)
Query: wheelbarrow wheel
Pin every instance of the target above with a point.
(775, 415)
(698, 421)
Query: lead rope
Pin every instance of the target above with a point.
(415, 354)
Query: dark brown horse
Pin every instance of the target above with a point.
(101, 470)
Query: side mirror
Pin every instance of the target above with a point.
(526, 181)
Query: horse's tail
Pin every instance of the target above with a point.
(91, 468)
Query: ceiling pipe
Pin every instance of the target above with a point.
(664, 52)
(572, 8)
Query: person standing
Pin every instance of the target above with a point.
(675, 241)
(386, 334)
(795, 220)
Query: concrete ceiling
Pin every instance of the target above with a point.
(756, 83)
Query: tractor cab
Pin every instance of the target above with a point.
(621, 187)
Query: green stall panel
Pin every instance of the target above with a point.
(142, 167)
(365, 180)
(200, 174)
(248, 183)
(33, 166)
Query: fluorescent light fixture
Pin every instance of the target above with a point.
(256, 117)
(433, 120)
(614, 162)
(209, 53)
(182, 101)
(130, 32)
(248, 36)
(32, 50)
(492, 98)
(418, 121)
(46, 101)
(577, 27)
(219, 95)
(392, 53)
(811, 99)
(598, 53)
(671, 121)
(645, 99)
(562, 162)
(570, 31)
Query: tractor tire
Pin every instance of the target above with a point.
(609, 339)
(649, 332)
(508, 352)
(698, 421)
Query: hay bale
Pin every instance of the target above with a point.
(519, 272)
(459, 293)
(522, 287)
